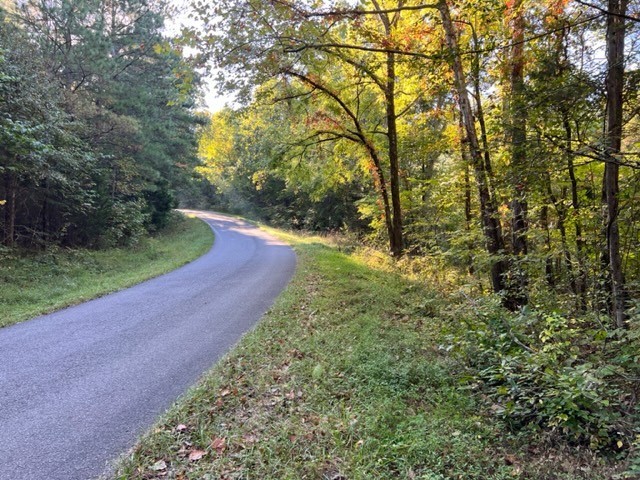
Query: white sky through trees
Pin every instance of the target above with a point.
(213, 99)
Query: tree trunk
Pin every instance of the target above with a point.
(10, 210)
(468, 219)
(394, 175)
(518, 134)
(614, 87)
(381, 185)
(548, 261)
(389, 90)
(475, 65)
(489, 214)
(581, 277)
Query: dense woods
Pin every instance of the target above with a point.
(96, 121)
(496, 140)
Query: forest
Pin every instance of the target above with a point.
(493, 144)
(489, 147)
(97, 121)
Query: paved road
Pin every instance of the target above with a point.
(78, 386)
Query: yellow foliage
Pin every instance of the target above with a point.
(215, 146)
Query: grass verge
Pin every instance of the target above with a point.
(342, 379)
(34, 283)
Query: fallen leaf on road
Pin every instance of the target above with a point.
(196, 455)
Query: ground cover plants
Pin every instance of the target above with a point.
(350, 376)
(37, 282)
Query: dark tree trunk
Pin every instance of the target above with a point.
(518, 134)
(10, 187)
(475, 65)
(468, 218)
(488, 211)
(548, 261)
(394, 173)
(389, 90)
(381, 186)
(581, 277)
(614, 87)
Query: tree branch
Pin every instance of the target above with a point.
(607, 12)
(354, 11)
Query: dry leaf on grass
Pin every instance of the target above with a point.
(159, 466)
(219, 444)
(196, 455)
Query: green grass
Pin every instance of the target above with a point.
(35, 283)
(342, 379)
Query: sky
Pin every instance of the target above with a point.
(213, 100)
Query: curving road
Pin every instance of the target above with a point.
(78, 386)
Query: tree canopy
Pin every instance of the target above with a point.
(98, 121)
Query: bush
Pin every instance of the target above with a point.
(160, 203)
(126, 224)
(547, 370)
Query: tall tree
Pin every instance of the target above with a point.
(489, 214)
(614, 87)
(293, 41)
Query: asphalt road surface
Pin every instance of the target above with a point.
(78, 386)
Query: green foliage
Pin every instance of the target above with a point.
(549, 370)
(126, 224)
(160, 203)
(254, 173)
(97, 132)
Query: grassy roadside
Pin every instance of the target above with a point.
(36, 283)
(342, 379)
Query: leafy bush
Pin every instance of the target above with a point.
(126, 224)
(160, 203)
(546, 369)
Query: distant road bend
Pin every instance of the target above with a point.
(78, 386)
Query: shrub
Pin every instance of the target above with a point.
(126, 224)
(160, 203)
(545, 369)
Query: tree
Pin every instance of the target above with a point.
(613, 142)
(489, 214)
(98, 119)
(291, 41)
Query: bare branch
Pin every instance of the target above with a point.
(607, 12)
(355, 11)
